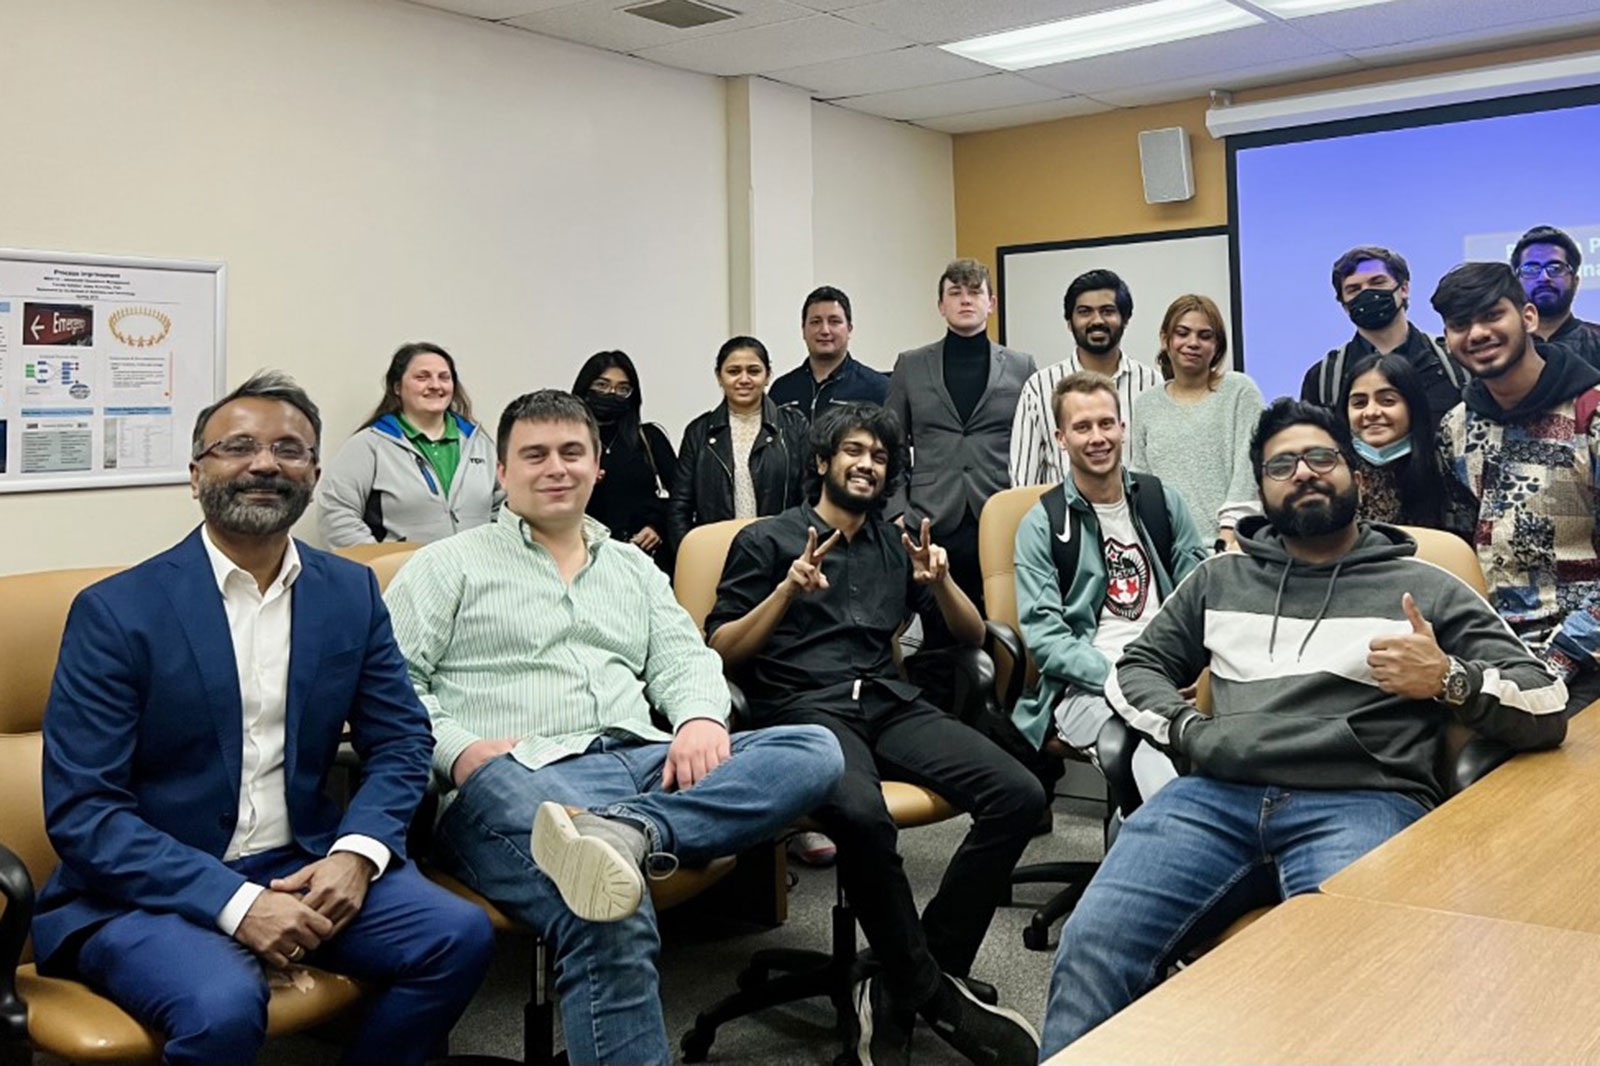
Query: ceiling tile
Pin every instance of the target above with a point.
(1361, 29)
(832, 5)
(1021, 115)
(813, 39)
(605, 24)
(904, 68)
(1161, 92)
(1454, 44)
(975, 94)
(498, 10)
(1217, 53)
(943, 21)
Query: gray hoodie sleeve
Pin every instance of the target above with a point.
(1168, 655)
(1515, 698)
(342, 493)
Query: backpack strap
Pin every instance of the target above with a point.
(1150, 504)
(1328, 381)
(1452, 372)
(1063, 553)
(1583, 409)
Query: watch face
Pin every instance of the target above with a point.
(1455, 684)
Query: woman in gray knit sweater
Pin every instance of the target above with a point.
(1194, 432)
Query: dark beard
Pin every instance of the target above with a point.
(1113, 341)
(1317, 519)
(1555, 310)
(1503, 370)
(220, 502)
(840, 496)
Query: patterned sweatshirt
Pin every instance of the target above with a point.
(1534, 468)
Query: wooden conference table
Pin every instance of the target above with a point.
(1473, 936)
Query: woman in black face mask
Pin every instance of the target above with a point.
(1399, 468)
(636, 458)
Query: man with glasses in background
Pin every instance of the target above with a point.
(1548, 262)
(197, 708)
(1337, 658)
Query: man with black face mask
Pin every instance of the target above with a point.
(807, 609)
(1374, 287)
(1337, 659)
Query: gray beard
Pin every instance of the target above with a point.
(220, 503)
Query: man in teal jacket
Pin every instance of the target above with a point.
(1096, 557)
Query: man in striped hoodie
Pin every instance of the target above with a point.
(1337, 658)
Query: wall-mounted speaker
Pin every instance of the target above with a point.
(1165, 165)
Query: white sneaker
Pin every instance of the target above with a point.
(596, 863)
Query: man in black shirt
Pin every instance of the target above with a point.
(1374, 287)
(808, 607)
(830, 374)
(1547, 260)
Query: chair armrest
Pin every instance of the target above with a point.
(972, 684)
(1477, 757)
(1007, 639)
(739, 709)
(1114, 752)
(15, 921)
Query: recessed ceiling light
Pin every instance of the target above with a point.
(1103, 32)
(1293, 9)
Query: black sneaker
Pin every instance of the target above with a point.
(985, 1034)
(885, 1031)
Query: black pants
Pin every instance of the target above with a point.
(918, 743)
(933, 671)
(1583, 688)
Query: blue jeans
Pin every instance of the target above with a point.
(424, 949)
(606, 971)
(1186, 864)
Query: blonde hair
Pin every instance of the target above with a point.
(1086, 382)
(1181, 306)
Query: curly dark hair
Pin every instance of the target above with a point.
(839, 421)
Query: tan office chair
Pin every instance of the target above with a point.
(57, 1016)
(366, 553)
(782, 975)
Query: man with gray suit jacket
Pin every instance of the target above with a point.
(956, 399)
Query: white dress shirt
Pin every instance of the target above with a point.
(259, 623)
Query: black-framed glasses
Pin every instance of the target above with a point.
(287, 452)
(603, 387)
(1281, 467)
(1553, 269)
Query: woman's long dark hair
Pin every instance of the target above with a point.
(1420, 476)
(399, 363)
(625, 435)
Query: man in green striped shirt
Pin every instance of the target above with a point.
(540, 647)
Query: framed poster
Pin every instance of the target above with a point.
(105, 362)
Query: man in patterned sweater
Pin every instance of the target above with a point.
(1525, 440)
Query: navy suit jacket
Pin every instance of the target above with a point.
(143, 736)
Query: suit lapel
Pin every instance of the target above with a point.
(935, 365)
(197, 605)
(996, 364)
(305, 655)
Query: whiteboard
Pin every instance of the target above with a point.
(1157, 267)
(105, 362)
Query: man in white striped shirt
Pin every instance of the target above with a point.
(1098, 307)
(539, 647)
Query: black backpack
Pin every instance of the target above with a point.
(1149, 505)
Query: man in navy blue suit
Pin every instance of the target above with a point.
(195, 714)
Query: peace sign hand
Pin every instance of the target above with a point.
(805, 573)
(929, 562)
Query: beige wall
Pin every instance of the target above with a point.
(374, 172)
(883, 218)
(1079, 177)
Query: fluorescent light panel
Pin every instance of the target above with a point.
(1104, 33)
(1293, 9)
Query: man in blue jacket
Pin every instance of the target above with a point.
(196, 712)
(1096, 557)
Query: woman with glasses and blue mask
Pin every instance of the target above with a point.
(419, 468)
(1399, 469)
(637, 462)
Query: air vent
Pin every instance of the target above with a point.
(681, 14)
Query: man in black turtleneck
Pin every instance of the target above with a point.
(1373, 285)
(956, 399)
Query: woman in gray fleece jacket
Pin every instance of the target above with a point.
(418, 469)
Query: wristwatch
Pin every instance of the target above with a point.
(1457, 685)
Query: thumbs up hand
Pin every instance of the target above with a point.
(1409, 664)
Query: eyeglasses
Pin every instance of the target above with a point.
(243, 449)
(1553, 269)
(1281, 467)
(603, 387)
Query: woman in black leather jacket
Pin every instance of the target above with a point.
(746, 457)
